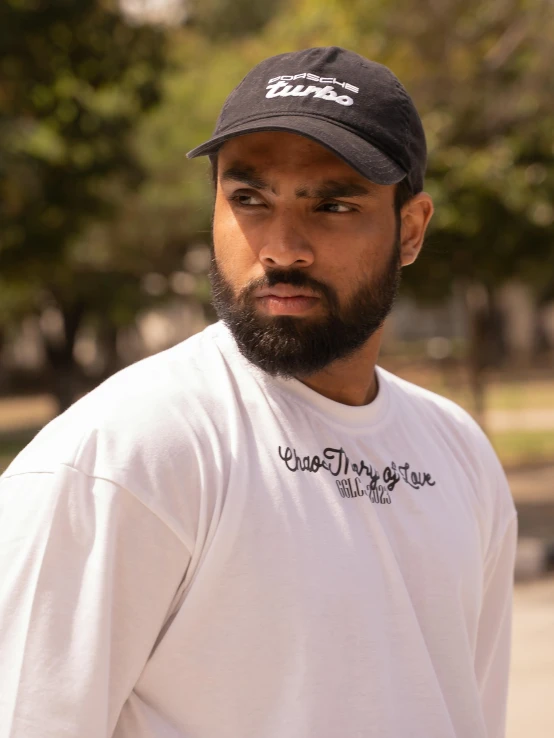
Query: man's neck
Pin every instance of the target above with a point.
(351, 381)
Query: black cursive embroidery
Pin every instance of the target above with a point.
(376, 486)
(416, 480)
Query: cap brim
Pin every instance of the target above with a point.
(362, 156)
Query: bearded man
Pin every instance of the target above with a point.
(260, 533)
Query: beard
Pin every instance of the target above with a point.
(288, 346)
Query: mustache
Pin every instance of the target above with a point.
(295, 278)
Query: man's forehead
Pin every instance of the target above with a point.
(262, 163)
(306, 185)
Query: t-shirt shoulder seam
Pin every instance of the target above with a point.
(186, 544)
(11, 475)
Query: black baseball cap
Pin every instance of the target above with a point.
(354, 107)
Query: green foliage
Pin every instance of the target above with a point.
(482, 77)
(75, 80)
(230, 19)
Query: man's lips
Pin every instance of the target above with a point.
(284, 290)
(284, 299)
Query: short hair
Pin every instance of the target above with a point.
(402, 194)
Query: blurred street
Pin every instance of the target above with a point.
(530, 703)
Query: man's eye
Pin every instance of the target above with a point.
(244, 200)
(335, 207)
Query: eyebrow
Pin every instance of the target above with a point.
(325, 191)
(333, 188)
(245, 175)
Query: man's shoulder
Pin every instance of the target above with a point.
(442, 426)
(435, 412)
(142, 412)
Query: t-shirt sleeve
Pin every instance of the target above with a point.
(88, 576)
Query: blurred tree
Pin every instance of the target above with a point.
(169, 217)
(75, 81)
(483, 76)
(230, 19)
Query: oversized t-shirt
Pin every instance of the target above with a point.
(198, 550)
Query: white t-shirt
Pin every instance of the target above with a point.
(197, 550)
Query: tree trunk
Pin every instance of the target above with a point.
(66, 376)
(3, 372)
(107, 343)
(477, 310)
(485, 344)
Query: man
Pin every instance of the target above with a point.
(259, 533)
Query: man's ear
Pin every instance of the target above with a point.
(414, 217)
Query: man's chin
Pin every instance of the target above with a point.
(286, 323)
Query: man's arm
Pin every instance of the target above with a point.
(88, 575)
(492, 658)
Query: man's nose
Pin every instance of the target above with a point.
(285, 244)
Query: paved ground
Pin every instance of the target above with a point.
(524, 419)
(533, 485)
(531, 700)
(533, 491)
(25, 412)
